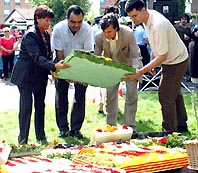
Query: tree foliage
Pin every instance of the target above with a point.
(181, 7)
(60, 7)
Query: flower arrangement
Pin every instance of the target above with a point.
(174, 140)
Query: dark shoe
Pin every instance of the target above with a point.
(134, 135)
(183, 129)
(62, 134)
(101, 112)
(76, 133)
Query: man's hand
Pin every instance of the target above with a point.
(129, 77)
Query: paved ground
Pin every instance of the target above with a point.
(9, 95)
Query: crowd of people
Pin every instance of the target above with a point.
(147, 42)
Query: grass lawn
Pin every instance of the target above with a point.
(148, 119)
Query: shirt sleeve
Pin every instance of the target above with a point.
(56, 39)
(88, 43)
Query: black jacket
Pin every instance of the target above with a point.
(34, 64)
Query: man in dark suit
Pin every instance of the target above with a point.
(31, 71)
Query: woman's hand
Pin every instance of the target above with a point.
(60, 65)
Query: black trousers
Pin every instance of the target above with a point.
(25, 111)
(61, 106)
(8, 63)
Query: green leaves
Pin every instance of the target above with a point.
(60, 7)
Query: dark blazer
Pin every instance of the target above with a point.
(34, 64)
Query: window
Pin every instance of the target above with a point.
(6, 13)
(27, 1)
(17, 2)
(7, 2)
(165, 9)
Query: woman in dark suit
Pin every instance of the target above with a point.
(31, 71)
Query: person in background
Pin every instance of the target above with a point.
(184, 32)
(7, 47)
(142, 41)
(194, 56)
(30, 74)
(71, 33)
(170, 52)
(118, 42)
(17, 45)
(12, 30)
(100, 93)
(96, 28)
(1, 62)
(17, 32)
(29, 27)
(112, 9)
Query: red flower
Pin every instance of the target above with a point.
(128, 142)
(163, 140)
(124, 127)
(99, 130)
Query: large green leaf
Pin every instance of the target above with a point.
(94, 70)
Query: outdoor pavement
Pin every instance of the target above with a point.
(9, 95)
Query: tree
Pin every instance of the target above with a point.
(181, 7)
(60, 7)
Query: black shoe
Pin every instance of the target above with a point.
(101, 112)
(76, 133)
(134, 135)
(62, 134)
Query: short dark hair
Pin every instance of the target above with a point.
(109, 19)
(111, 9)
(75, 9)
(186, 16)
(134, 4)
(43, 11)
(28, 26)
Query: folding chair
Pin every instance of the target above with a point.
(154, 78)
(186, 87)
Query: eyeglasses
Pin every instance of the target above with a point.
(6, 31)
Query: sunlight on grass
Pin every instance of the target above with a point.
(148, 118)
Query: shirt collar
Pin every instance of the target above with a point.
(116, 38)
(149, 21)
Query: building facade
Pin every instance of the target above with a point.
(7, 6)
